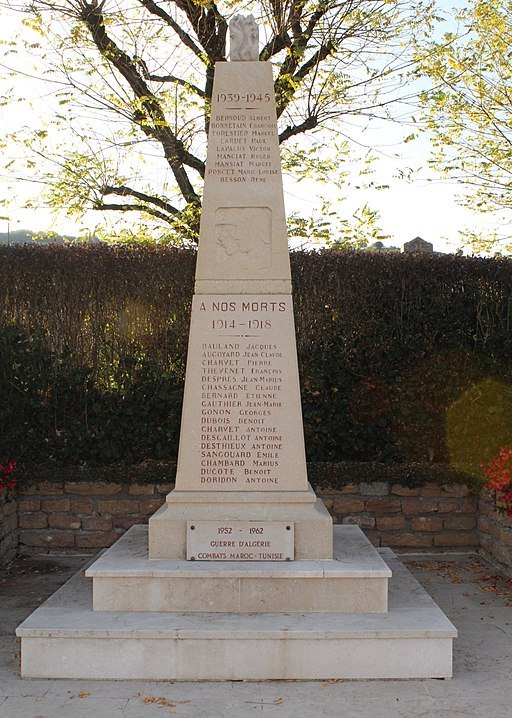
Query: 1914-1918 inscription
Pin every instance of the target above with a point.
(240, 541)
(245, 395)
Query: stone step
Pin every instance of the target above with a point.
(65, 638)
(356, 581)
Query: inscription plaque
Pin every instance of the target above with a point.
(240, 541)
(244, 415)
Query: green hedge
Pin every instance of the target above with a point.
(403, 358)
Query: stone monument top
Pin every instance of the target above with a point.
(243, 39)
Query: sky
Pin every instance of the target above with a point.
(425, 207)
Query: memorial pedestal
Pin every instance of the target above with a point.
(355, 582)
(65, 638)
(307, 515)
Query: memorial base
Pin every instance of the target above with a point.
(355, 582)
(311, 520)
(65, 638)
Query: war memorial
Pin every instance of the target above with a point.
(241, 574)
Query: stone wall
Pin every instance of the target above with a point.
(8, 524)
(430, 517)
(70, 517)
(495, 530)
(78, 517)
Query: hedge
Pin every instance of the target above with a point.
(403, 358)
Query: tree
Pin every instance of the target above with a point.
(325, 225)
(469, 109)
(134, 82)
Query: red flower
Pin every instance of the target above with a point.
(6, 475)
(499, 477)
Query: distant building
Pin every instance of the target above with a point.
(418, 245)
(380, 247)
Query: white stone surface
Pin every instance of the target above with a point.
(231, 659)
(312, 522)
(355, 558)
(243, 38)
(241, 430)
(356, 581)
(242, 422)
(65, 638)
(244, 247)
(250, 497)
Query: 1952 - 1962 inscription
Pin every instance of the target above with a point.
(240, 541)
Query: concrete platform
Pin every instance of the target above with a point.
(65, 638)
(124, 579)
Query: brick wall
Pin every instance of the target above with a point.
(8, 525)
(495, 530)
(67, 517)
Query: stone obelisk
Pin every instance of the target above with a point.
(241, 463)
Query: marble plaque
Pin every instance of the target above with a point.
(239, 541)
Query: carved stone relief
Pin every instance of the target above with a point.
(243, 237)
(243, 39)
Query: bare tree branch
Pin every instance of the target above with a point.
(321, 49)
(209, 25)
(124, 191)
(131, 208)
(178, 81)
(150, 117)
(185, 38)
(309, 124)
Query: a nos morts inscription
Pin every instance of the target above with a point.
(246, 397)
